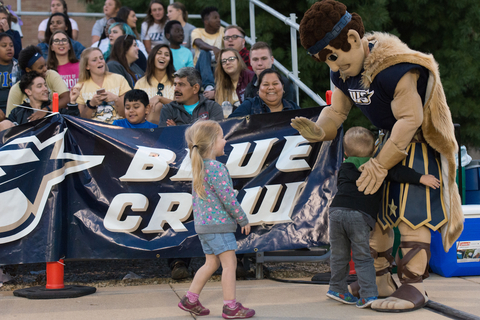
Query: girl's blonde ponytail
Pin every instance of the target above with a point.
(201, 137)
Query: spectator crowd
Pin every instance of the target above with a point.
(167, 72)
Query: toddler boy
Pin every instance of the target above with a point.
(136, 108)
(353, 215)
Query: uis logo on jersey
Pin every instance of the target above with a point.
(362, 97)
(43, 165)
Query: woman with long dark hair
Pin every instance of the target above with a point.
(120, 29)
(152, 28)
(61, 58)
(129, 17)
(60, 22)
(123, 57)
(158, 80)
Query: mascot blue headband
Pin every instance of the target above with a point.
(322, 43)
(33, 59)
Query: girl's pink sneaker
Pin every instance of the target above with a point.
(239, 312)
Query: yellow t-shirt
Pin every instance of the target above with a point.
(151, 89)
(215, 40)
(54, 82)
(113, 83)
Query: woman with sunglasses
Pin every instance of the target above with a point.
(61, 58)
(59, 21)
(231, 78)
(158, 80)
(123, 57)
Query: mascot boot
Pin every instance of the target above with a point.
(381, 245)
(411, 269)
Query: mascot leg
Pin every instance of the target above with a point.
(412, 269)
(381, 244)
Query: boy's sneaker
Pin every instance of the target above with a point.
(239, 312)
(194, 307)
(347, 298)
(365, 302)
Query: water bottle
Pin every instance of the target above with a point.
(227, 108)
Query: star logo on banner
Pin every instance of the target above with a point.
(393, 208)
(23, 192)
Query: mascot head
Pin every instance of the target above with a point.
(332, 35)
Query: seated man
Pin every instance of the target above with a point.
(235, 38)
(33, 85)
(261, 58)
(31, 59)
(188, 106)
(182, 57)
(205, 41)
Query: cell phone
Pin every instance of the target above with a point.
(101, 91)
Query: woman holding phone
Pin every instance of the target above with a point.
(99, 93)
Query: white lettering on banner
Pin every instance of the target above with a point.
(291, 150)
(138, 203)
(265, 213)
(149, 164)
(185, 171)
(163, 213)
(255, 163)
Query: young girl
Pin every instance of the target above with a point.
(158, 80)
(61, 58)
(152, 28)
(216, 214)
(57, 6)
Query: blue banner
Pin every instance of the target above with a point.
(80, 189)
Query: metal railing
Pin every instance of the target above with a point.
(289, 21)
(294, 28)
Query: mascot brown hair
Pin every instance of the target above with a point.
(400, 92)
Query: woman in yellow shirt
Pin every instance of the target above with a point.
(99, 93)
(158, 80)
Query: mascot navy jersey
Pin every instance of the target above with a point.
(375, 101)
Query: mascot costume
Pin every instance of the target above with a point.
(400, 92)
